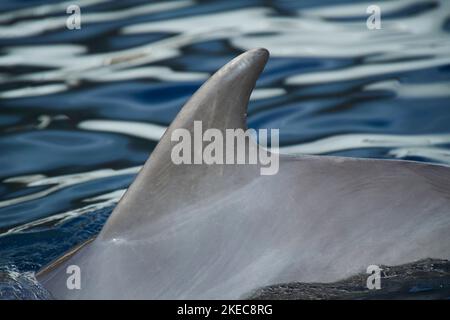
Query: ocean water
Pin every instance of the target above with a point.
(81, 110)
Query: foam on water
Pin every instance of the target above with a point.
(15, 285)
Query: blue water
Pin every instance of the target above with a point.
(328, 76)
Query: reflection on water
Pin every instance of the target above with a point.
(80, 110)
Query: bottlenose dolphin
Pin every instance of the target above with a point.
(222, 231)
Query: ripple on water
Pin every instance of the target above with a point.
(81, 110)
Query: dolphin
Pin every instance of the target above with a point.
(222, 231)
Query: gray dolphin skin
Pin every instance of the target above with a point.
(222, 231)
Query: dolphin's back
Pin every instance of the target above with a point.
(319, 219)
(222, 231)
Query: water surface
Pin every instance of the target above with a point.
(81, 110)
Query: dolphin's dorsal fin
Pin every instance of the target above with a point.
(220, 103)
